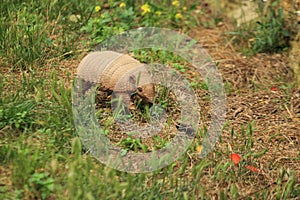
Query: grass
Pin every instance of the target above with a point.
(37, 28)
(41, 155)
(269, 33)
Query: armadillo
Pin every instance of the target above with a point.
(117, 72)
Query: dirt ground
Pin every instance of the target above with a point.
(260, 92)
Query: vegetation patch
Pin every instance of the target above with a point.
(41, 155)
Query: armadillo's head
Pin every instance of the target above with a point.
(141, 84)
(146, 93)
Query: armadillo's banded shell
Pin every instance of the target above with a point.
(107, 68)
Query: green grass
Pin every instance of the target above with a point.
(37, 28)
(41, 155)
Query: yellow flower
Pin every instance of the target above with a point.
(178, 16)
(158, 13)
(145, 8)
(184, 8)
(199, 149)
(176, 3)
(97, 8)
(122, 5)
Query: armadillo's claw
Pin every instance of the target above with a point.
(131, 107)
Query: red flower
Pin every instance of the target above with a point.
(273, 88)
(236, 158)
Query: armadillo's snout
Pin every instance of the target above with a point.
(146, 93)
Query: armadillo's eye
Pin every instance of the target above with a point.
(140, 89)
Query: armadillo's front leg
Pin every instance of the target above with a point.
(126, 99)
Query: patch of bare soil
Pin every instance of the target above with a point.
(258, 93)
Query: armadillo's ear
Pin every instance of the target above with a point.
(132, 80)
